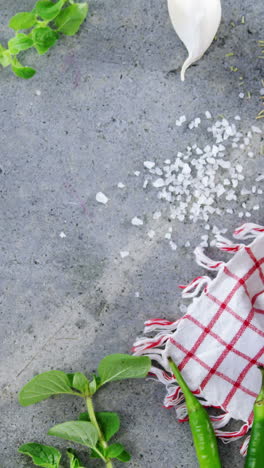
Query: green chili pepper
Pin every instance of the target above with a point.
(202, 430)
(255, 453)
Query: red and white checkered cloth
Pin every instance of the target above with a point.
(219, 342)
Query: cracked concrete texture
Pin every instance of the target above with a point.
(109, 100)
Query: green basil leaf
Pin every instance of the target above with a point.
(26, 73)
(109, 423)
(42, 455)
(80, 382)
(74, 460)
(124, 456)
(43, 386)
(48, 10)
(81, 432)
(123, 366)
(19, 42)
(22, 21)
(114, 450)
(93, 384)
(5, 57)
(44, 38)
(70, 19)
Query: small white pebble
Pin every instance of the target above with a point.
(151, 234)
(62, 235)
(136, 221)
(149, 164)
(101, 198)
(124, 253)
(120, 185)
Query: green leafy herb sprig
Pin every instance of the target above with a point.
(93, 429)
(42, 27)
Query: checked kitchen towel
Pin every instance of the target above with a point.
(219, 342)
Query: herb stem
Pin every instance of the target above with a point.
(92, 416)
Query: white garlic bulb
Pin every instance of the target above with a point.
(196, 23)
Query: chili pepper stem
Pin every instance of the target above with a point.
(201, 427)
(255, 452)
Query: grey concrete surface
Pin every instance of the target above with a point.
(109, 100)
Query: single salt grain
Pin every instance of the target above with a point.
(183, 308)
(250, 154)
(120, 185)
(151, 234)
(136, 294)
(187, 244)
(167, 235)
(208, 115)
(101, 198)
(157, 215)
(207, 227)
(259, 178)
(240, 214)
(149, 164)
(248, 215)
(237, 117)
(137, 173)
(62, 235)
(158, 183)
(256, 129)
(38, 92)
(241, 95)
(173, 245)
(145, 183)
(136, 221)
(256, 207)
(167, 161)
(124, 253)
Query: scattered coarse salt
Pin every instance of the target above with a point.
(151, 234)
(149, 164)
(137, 221)
(124, 253)
(120, 185)
(101, 198)
(62, 235)
(173, 246)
